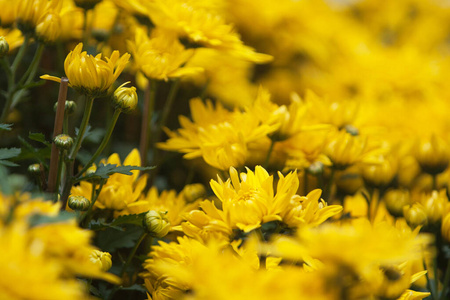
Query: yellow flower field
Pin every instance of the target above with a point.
(225, 149)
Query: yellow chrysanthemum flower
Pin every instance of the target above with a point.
(220, 136)
(309, 210)
(119, 190)
(168, 201)
(13, 37)
(91, 75)
(27, 273)
(29, 13)
(345, 149)
(248, 201)
(161, 56)
(202, 23)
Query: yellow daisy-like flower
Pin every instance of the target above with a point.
(27, 273)
(161, 56)
(309, 210)
(202, 22)
(345, 149)
(248, 201)
(91, 75)
(168, 201)
(29, 13)
(221, 137)
(120, 189)
(13, 37)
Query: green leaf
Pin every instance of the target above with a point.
(99, 225)
(110, 239)
(6, 153)
(29, 152)
(137, 219)
(63, 216)
(104, 171)
(39, 137)
(6, 127)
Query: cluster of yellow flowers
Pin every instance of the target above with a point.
(321, 127)
(43, 259)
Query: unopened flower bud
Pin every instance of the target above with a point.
(315, 168)
(125, 98)
(157, 223)
(415, 215)
(433, 155)
(193, 192)
(379, 175)
(395, 200)
(435, 205)
(69, 109)
(445, 227)
(49, 28)
(34, 169)
(79, 203)
(63, 141)
(101, 259)
(4, 46)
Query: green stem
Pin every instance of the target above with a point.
(269, 153)
(73, 153)
(5, 66)
(132, 253)
(83, 126)
(434, 182)
(59, 173)
(445, 283)
(149, 106)
(104, 141)
(429, 285)
(329, 186)
(86, 218)
(305, 182)
(20, 54)
(167, 108)
(32, 69)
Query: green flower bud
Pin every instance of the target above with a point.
(69, 109)
(157, 223)
(79, 203)
(63, 142)
(101, 259)
(34, 169)
(315, 168)
(125, 98)
(415, 215)
(4, 46)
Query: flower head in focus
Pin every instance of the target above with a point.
(161, 56)
(91, 75)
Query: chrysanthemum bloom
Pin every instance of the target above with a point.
(91, 75)
(120, 189)
(221, 137)
(167, 201)
(381, 250)
(13, 37)
(309, 210)
(248, 200)
(49, 27)
(345, 149)
(202, 23)
(29, 13)
(7, 15)
(433, 155)
(161, 56)
(178, 270)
